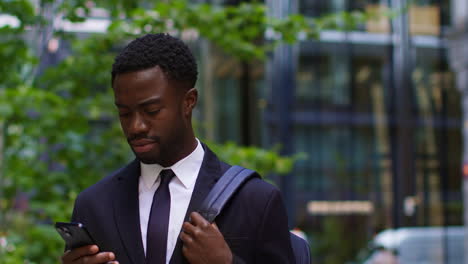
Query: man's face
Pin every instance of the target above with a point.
(153, 115)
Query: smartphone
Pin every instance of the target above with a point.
(75, 234)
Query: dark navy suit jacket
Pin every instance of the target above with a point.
(254, 222)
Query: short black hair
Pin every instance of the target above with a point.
(163, 50)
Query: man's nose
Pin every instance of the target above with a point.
(138, 124)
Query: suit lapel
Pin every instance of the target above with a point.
(210, 171)
(126, 211)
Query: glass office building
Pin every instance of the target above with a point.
(377, 112)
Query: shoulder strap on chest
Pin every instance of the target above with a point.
(223, 190)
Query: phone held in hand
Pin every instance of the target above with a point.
(75, 234)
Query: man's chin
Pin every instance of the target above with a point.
(148, 158)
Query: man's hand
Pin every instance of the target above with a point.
(203, 242)
(88, 255)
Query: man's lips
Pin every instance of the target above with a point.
(142, 145)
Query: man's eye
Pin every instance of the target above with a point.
(124, 114)
(153, 112)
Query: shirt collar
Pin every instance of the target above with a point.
(186, 169)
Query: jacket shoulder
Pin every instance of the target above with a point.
(102, 186)
(260, 189)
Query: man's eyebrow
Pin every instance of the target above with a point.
(152, 100)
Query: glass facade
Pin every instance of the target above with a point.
(347, 119)
(345, 122)
(383, 151)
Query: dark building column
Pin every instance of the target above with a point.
(458, 55)
(402, 114)
(281, 74)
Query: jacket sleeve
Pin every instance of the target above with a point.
(273, 240)
(77, 213)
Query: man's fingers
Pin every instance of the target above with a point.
(198, 220)
(192, 231)
(188, 228)
(186, 238)
(215, 226)
(198, 226)
(99, 258)
(88, 255)
(102, 257)
(77, 253)
(204, 244)
(186, 252)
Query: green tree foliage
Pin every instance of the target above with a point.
(58, 130)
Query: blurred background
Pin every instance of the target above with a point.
(354, 109)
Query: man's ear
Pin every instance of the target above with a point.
(190, 101)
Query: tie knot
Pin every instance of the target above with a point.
(166, 176)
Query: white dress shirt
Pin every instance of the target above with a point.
(180, 187)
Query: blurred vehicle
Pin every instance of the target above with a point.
(416, 245)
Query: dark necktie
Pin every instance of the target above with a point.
(156, 238)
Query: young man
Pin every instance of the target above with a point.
(140, 213)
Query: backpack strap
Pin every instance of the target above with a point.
(223, 190)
